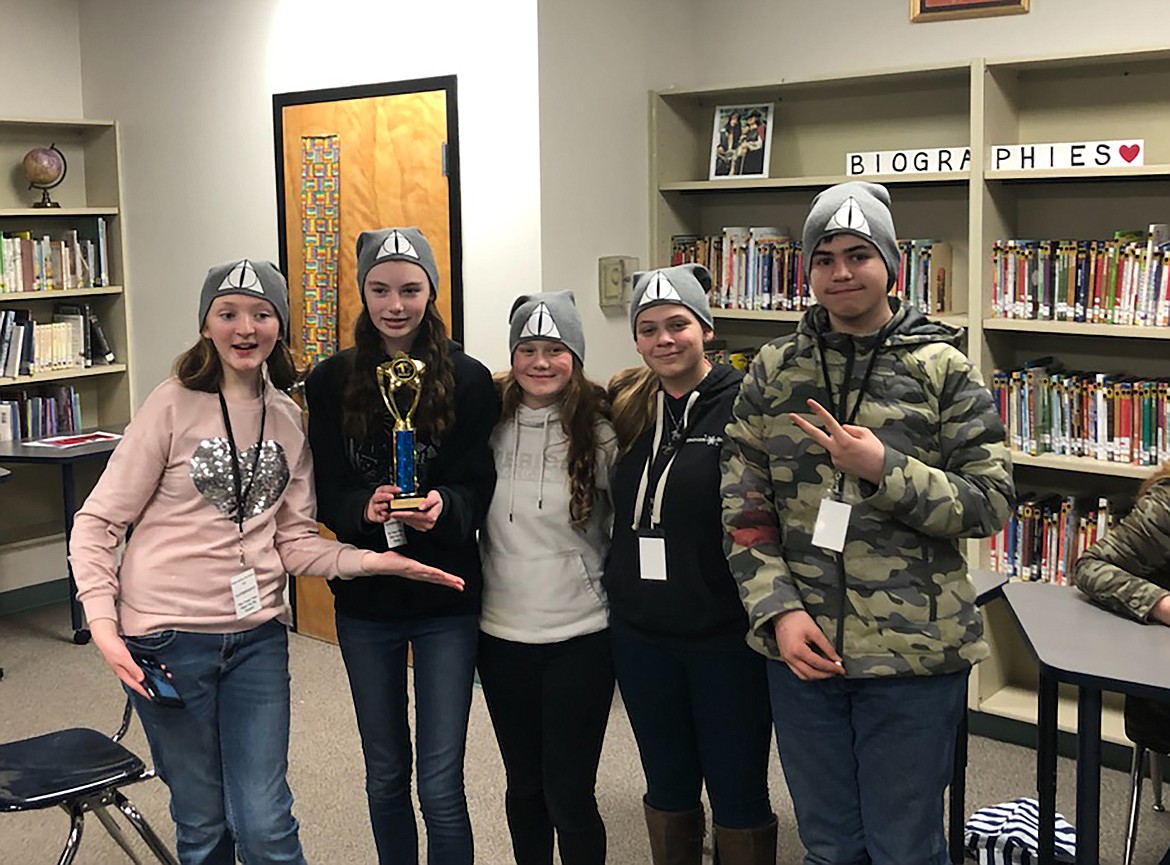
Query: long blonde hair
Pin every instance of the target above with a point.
(632, 395)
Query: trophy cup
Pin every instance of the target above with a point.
(402, 373)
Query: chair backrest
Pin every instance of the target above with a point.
(1147, 723)
(127, 717)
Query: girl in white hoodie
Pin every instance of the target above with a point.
(544, 652)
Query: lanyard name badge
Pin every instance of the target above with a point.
(833, 515)
(652, 541)
(245, 589)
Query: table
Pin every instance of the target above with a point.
(988, 586)
(17, 453)
(4, 475)
(1078, 643)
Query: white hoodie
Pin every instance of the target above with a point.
(542, 577)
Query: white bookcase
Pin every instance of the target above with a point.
(978, 104)
(91, 189)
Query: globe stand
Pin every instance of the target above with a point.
(45, 201)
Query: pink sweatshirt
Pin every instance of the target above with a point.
(171, 476)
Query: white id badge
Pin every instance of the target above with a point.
(652, 557)
(395, 533)
(246, 593)
(832, 524)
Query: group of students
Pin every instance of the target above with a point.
(741, 554)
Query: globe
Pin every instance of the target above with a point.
(44, 168)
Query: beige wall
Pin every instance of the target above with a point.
(40, 59)
(192, 83)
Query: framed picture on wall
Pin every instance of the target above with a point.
(948, 10)
(741, 141)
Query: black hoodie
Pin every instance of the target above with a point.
(698, 601)
(460, 467)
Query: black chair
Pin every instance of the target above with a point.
(1147, 725)
(80, 770)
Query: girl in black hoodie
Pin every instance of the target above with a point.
(696, 695)
(351, 434)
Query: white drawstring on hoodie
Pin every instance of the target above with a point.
(516, 456)
(660, 487)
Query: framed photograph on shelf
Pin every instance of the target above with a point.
(741, 141)
(948, 10)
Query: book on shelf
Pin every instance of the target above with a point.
(752, 267)
(45, 263)
(45, 410)
(1123, 281)
(1094, 415)
(1046, 534)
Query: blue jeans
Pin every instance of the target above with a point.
(224, 756)
(444, 668)
(700, 716)
(867, 762)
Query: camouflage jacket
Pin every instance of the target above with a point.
(1128, 570)
(908, 607)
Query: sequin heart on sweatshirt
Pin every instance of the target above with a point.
(211, 471)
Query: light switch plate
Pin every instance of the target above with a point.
(615, 279)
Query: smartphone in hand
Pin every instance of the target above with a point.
(159, 684)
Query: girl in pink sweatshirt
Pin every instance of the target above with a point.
(216, 478)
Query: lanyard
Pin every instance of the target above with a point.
(841, 410)
(644, 493)
(237, 478)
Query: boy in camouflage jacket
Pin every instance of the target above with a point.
(870, 646)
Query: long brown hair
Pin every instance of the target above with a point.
(1160, 474)
(632, 394)
(361, 402)
(582, 404)
(199, 367)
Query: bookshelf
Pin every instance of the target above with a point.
(31, 538)
(984, 102)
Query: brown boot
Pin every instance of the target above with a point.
(747, 846)
(676, 837)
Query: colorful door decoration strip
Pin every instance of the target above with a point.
(320, 229)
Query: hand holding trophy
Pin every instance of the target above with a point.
(402, 373)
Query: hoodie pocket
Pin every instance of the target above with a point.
(538, 591)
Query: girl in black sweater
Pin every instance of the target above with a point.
(696, 695)
(350, 432)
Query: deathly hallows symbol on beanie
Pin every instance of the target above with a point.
(397, 244)
(540, 325)
(849, 217)
(242, 277)
(659, 289)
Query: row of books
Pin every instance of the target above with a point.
(762, 268)
(1123, 281)
(1047, 534)
(74, 339)
(27, 413)
(758, 268)
(1115, 418)
(30, 263)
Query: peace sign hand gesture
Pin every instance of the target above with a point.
(855, 450)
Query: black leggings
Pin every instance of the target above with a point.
(549, 704)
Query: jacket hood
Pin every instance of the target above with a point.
(721, 379)
(536, 417)
(909, 326)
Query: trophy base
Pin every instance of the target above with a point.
(407, 503)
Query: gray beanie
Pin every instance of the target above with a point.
(550, 315)
(247, 277)
(859, 208)
(685, 284)
(395, 244)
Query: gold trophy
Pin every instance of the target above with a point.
(402, 373)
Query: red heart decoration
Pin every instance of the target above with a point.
(1129, 152)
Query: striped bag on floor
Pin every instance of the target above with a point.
(1008, 834)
